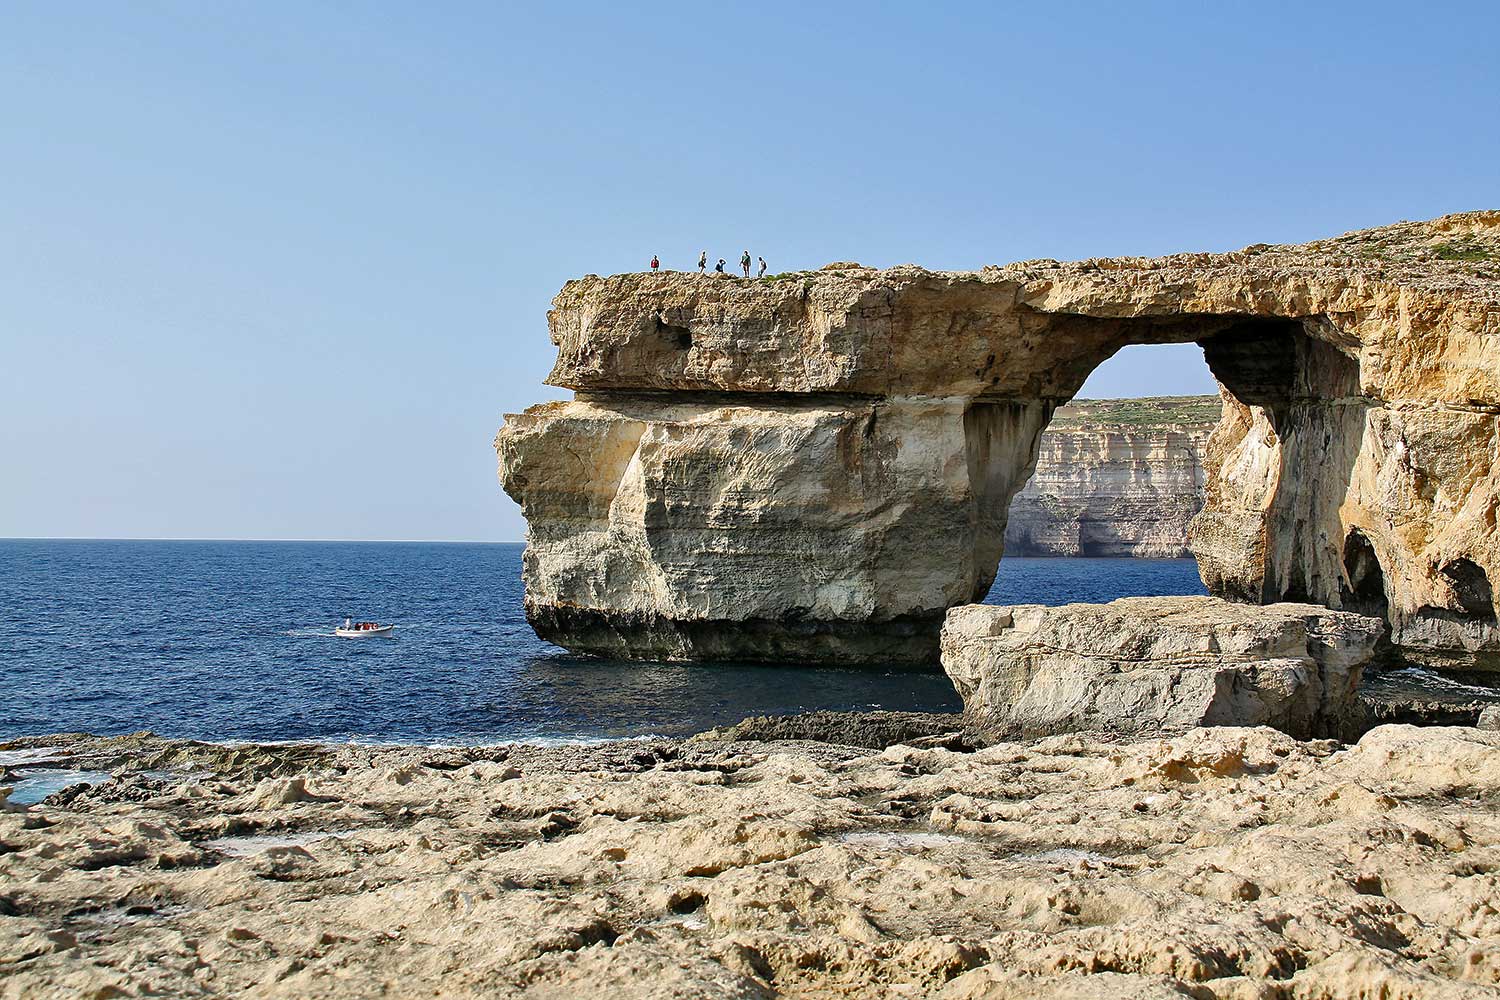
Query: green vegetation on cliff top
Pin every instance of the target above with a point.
(1147, 411)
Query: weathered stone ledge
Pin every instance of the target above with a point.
(1156, 665)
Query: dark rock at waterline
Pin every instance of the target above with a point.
(1420, 697)
(1381, 702)
(875, 730)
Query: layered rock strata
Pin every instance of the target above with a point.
(1225, 863)
(814, 467)
(1115, 478)
(772, 529)
(1158, 664)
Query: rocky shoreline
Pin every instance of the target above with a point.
(819, 468)
(1224, 863)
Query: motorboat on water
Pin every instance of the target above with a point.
(362, 630)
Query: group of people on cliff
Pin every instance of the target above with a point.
(719, 267)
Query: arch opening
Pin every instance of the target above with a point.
(1268, 527)
(1119, 476)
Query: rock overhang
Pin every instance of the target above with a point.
(909, 330)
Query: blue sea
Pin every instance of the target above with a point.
(234, 641)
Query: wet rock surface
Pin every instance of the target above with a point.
(876, 730)
(1224, 863)
(1419, 697)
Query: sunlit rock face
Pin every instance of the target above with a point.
(1158, 664)
(833, 531)
(814, 467)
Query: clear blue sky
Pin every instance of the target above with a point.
(243, 240)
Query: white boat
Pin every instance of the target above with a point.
(362, 630)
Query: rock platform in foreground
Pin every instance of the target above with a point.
(1158, 664)
(1227, 863)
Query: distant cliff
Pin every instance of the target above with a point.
(1115, 477)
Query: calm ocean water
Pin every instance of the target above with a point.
(233, 641)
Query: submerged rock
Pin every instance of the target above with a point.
(1158, 665)
(815, 467)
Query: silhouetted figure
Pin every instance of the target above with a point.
(702, 260)
(720, 266)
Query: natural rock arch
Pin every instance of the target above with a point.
(814, 467)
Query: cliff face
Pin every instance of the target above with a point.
(815, 466)
(1115, 478)
(773, 529)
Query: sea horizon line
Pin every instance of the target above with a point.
(352, 541)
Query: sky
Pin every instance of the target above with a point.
(278, 270)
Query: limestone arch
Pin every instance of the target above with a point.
(820, 460)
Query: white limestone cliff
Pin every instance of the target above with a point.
(1115, 478)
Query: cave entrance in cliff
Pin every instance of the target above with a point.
(1121, 471)
(1365, 590)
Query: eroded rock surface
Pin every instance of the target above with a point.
(1158, 664)
(1226, 863)
(775, 530)
(816, 466)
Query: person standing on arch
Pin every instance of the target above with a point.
(702, 260)
(745, 262)
(654, 262)
(762, 272)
